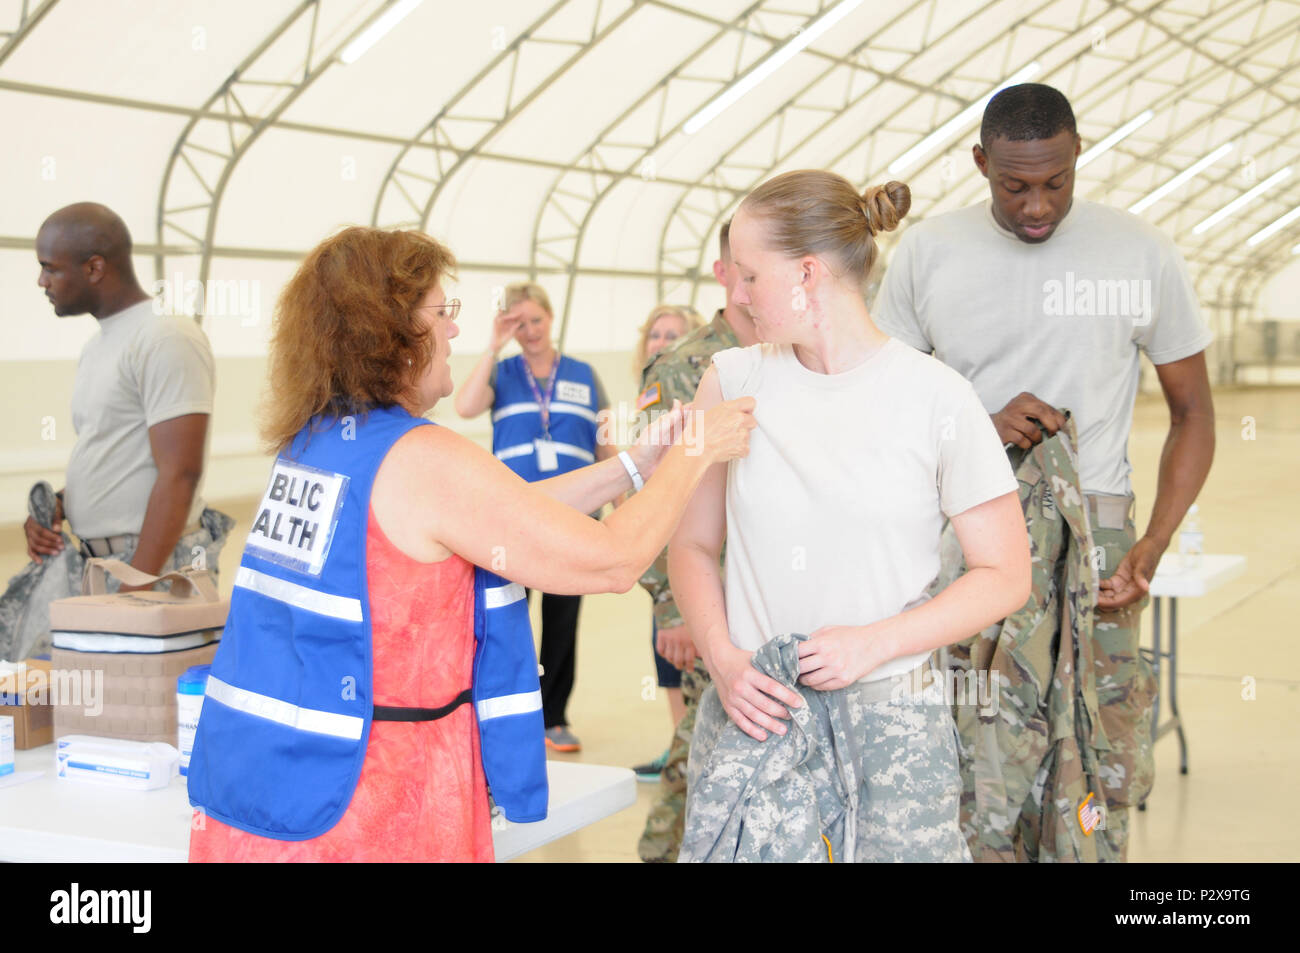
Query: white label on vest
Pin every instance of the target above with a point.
(296, 520)
(572, 393)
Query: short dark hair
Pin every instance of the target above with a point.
(1027, 111)
(724, 241)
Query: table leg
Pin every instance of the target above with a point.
(1155, 667)
(1173, 685)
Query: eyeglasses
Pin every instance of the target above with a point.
(448, 310)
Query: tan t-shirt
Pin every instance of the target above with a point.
(139, 370)
(834, 516)
(1065, 320)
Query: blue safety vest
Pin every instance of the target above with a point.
(517, 420)
(289, 700)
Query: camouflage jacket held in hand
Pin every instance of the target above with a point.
(792, 798)
(1032, 786)
(674, 374)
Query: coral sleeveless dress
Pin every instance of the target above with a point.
(421, 795)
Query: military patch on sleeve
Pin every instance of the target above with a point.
(649, 397)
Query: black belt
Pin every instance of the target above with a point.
(389, 713)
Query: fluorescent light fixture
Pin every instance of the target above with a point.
(1268, 231)
(957, 123)
(1123, 132)
(767, 67)
(372, 34)
(1204, 226)
(1191, 172)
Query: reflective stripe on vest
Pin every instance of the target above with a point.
(524, 449)
(313, 600)
(304, 719)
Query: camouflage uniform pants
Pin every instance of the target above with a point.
(662, 838)
(1126, 684)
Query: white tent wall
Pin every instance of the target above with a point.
(544, 139)
(1280, 297)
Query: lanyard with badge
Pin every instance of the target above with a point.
(545, 447)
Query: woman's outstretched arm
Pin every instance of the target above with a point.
(439, 491)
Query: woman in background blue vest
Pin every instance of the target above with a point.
(334, 725)
(546, 412)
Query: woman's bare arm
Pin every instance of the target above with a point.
(449, 492)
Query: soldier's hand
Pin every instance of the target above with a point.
(42, 541)
(1131, 579)
(751, 699)
(836, 656)
(676, 646)
(1018, 421)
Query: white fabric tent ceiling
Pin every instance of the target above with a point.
(545, 138)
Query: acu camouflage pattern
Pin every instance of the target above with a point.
(677, 370)
(1070, 683)
(866, 773)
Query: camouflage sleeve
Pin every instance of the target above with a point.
(673, 379)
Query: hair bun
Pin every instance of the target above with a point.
(885, 205)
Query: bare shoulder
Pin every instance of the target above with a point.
(416, 482)
(709, 393)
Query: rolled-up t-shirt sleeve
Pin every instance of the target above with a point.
(973, 466)
(176, 372)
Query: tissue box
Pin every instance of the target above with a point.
(25, 696)
(123, 694)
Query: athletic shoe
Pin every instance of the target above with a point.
(561, 739)
(649, 772)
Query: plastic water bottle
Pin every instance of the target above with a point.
(189, 703)
(1191, 540)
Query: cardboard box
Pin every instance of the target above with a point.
(123, 695)
(25, 695)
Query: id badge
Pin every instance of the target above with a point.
(546, 461)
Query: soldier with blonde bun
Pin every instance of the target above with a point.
(812, 743)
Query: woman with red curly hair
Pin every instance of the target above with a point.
(357, 585)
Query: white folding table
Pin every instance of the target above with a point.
(51, 820)
(1173, 581)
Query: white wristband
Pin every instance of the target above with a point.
(632, 471)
